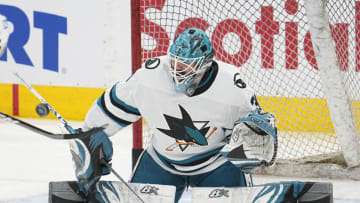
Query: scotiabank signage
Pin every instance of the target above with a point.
(266, 27)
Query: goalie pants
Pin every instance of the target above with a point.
(148, 171)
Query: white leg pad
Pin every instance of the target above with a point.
(151, 193)
(273, 192)
(113, 192)
(224, 195)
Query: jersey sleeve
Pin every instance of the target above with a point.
(116, 108)
(246, 102)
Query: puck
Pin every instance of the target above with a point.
(42, 110)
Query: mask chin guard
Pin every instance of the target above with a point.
(194, 83)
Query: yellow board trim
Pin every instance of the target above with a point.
(292, 114)
(6, 98)
(72, 103)
(304, 114)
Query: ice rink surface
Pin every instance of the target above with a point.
(28, 161)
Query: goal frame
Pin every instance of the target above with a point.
(136, 64)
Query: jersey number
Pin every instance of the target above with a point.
(152, 63)
(238, 81)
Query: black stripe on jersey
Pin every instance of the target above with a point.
(218, 157)
(101, 103)
(196, 160)
(199, 161)
(122, 105)
(208, 79)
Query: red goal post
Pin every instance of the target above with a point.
(280, 54)
(136, 60)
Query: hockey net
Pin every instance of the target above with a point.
(270, 43)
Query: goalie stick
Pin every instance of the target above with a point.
(65, 136)
(73, 132)
(32, 90)
(61, 137)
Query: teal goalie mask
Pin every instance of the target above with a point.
(190, 56)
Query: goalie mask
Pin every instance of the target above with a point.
(190, 56)
(4, 34)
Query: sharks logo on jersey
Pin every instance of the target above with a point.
(185, 132)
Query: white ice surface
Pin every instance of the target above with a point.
(28, 161)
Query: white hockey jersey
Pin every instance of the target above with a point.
(188, 132)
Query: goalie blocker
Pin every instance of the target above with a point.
(302, 192)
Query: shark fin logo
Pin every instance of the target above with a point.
(184, 131)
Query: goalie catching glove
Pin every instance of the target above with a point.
(253, 141)
(90, 155)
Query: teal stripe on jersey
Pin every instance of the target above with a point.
(121, 104)
(101, 103)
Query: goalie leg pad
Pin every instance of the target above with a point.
(65, 192)
(302, 192)
(112, 192)
(297, 191)
(148, 171)
(318, 192)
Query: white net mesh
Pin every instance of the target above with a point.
(270, 43)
